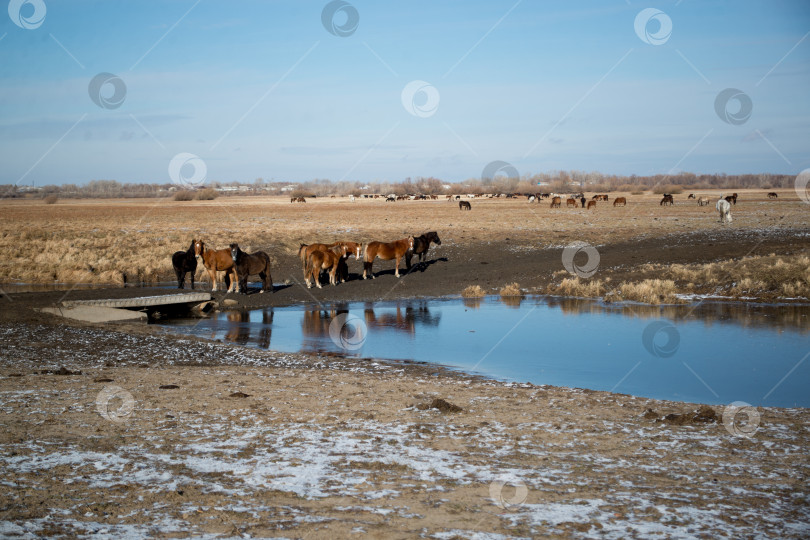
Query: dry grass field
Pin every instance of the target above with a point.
(131, 241)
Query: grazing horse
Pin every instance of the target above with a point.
(619, 201)
(251, 264)
(217, 260)
(385, 251)
(691, 196)
(464, 205)
(327, 259)
(556, 202)
(667, 199)
(421, 245)
(732, 199)
(184, 261)
(591, 204)
(571, 202)
(724, 208)
(772, 195)
(703, 201)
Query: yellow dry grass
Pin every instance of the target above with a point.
(512, 289)
(473, 291)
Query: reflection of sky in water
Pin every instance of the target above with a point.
(721, 352)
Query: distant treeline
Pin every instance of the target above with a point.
(561, 182)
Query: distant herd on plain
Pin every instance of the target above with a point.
(237, 265)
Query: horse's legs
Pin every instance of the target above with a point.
(180, 274)
(396, 266)
(192, 278)
(408, 255)
(367, 269)
(235, 280)
(213, 275)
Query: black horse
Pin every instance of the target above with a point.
(251, 264)
(421, 244)
(184, 261)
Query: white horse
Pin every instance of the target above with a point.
(724, 208)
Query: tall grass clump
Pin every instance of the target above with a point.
(513, 289)
(207, 194)
(184, 195)
(51, 199)
(473, 291)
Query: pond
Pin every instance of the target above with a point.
(706, 352)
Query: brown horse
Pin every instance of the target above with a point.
(556, 202)
(591, 204)
(251, 264)
(464, 205)
(352, 248)
(328, 259)
(668, 199)
(773, 195)
(571, 202)
(217, 260)
(619, 201)
(184, 261)
(385, 251)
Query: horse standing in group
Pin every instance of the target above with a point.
(421, 245)
(385, 251)
(326, 259)
(217, 260)
(184, 261)
(257, 263)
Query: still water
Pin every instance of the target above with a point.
(712, 353)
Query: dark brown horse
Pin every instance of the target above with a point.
(773, 195)
(421, 245)
(385, 251)
(184, 261)
(251, 264)
(668, 199)
(327, 259)
(619, 201)
(732, 198)
(217, 260)
(464, 205)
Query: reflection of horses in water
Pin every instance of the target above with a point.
(402, 320)
(315, 324)
(238, 327)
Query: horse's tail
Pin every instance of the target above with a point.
(301, 251)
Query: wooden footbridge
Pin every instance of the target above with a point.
(128, 309)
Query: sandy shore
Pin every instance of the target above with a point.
(129, 432)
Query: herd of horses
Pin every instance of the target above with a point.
(236, 265)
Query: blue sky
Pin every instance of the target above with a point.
(263, 89)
